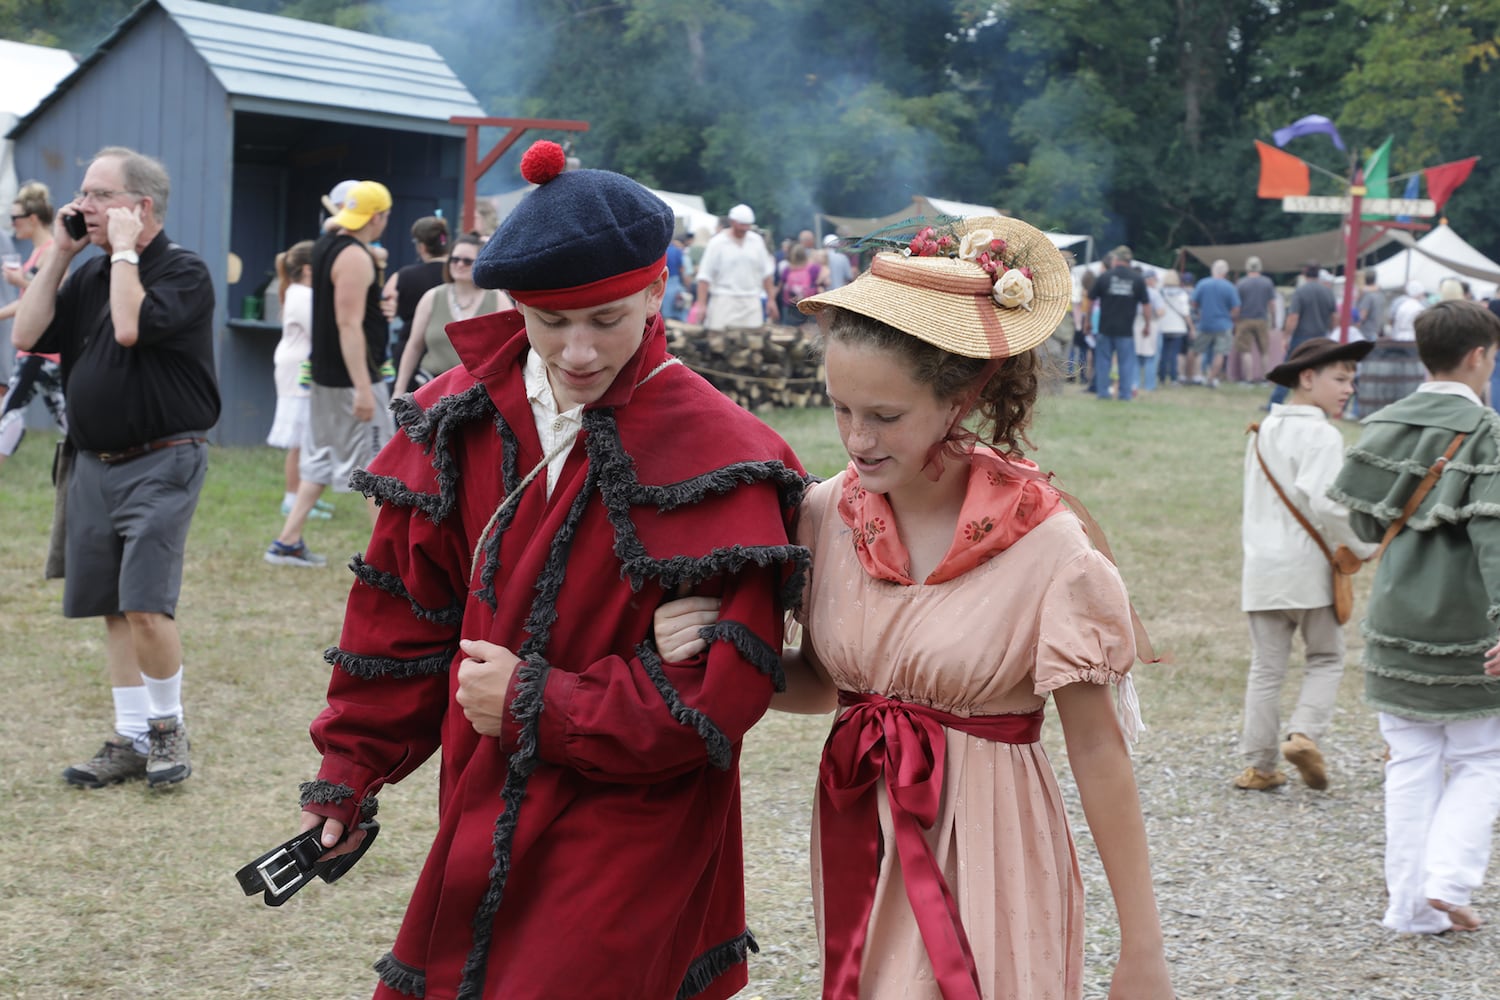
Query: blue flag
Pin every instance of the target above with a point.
(1413, 191)
(1308, 126)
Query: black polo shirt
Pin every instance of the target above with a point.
(119, 397)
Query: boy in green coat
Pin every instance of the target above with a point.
(1432, 663)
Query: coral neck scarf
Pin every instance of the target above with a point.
(1004, 499)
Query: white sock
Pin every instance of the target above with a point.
(165, 695)
(132, 709)
(288, 498)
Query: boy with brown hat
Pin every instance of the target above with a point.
(1287, 584)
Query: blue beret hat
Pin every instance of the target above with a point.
(580, 239)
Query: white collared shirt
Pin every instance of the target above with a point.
(1283, 566)
(557, 431)
(1446, 388)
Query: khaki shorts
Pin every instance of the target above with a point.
(127, 529)
(1251, 333)
(336, 445)
(1212, 345)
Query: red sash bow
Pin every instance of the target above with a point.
(904, 743)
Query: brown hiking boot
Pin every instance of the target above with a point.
(1303, 754)
(1256, 780)
(118, 760)
(167, 763)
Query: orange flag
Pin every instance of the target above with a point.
(1281, 174)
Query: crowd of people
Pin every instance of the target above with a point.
(586, 621)
(1139, 327)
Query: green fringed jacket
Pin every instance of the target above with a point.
(1435, 600)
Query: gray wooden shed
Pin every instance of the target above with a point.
(256, 117)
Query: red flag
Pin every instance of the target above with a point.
(1444, 179)
(1281, 174)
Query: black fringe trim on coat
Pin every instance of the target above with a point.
(322, 793)
(752, 648)
(790, 485)
(714, 963)
(510, 478)
(326, 793)
(720, 750)
(380, 667)
(433, 429)
(392, 584)
(401, 977)
(526, 710)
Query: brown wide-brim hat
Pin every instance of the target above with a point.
(950, 303)
(1314, 353)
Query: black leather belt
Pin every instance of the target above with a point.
(136, 451)
(287, 867)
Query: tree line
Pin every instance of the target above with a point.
(1132, 122)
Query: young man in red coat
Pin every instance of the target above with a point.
(544, 498)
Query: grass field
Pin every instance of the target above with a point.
(122, 893)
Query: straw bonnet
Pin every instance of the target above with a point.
(953, 303)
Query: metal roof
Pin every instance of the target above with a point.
(284, 65)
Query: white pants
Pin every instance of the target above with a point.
(1437, 826)
(730, 309)
(1271, 635)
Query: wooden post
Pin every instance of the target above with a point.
(475, 166)
(1351, 256)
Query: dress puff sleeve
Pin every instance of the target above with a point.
(819, 502)
(1084, 634)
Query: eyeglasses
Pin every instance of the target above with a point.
(102, 196)
(465, 261)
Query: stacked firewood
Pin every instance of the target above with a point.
(760, 368)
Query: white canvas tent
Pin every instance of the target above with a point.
(1440, 254)
(28, 73)
(925, 206)
(691, 212)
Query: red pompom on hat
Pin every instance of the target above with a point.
(543, 161)
(579, 239)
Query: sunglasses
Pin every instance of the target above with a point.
(17, 218)
(466, 261)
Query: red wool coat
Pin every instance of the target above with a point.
(593, 850)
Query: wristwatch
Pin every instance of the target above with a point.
(128, 256)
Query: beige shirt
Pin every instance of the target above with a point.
(557, 430)
(1284, 568)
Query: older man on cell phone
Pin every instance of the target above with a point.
(134, 327)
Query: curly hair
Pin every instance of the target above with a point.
(1004, 403)
(35, 199)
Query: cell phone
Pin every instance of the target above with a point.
(76, 225)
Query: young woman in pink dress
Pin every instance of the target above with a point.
(953, 595)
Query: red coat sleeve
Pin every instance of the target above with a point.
(390, 685)
(640, 720)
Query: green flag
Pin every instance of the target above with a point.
(1378, 175)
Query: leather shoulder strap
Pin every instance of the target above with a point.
(1419, 494)
(1301, 519)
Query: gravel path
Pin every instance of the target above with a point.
(1264, 895)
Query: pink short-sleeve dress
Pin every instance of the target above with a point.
(1046, 612)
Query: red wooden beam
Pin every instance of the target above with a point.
(475, 167)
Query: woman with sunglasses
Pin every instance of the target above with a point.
(31, 215)
(428, 351)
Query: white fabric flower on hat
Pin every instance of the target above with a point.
(1013, 290)
(975, 243)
